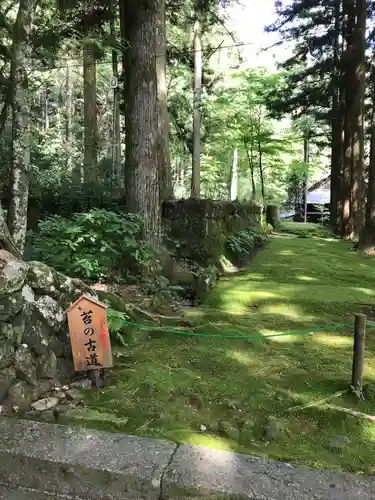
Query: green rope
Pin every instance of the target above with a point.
(243, 337)
(372, 325)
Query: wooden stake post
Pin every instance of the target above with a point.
(89, 337)
(358, 353)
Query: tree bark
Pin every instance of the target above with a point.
(143, 135)
(116, 126)
(197, 96)
(306, 159)
(165, 172)
(46, 109)
(17, 214)
(250, 159)
(367, 239)
(233, 177)
(358, 183)
(90, 162)
(261, 172)
(348, 62)
(124, 42)
(354, 194)
(69, 112)
(336, 127)
(124, 45)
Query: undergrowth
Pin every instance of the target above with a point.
(96, 245)
(244, 242)
(281, 397)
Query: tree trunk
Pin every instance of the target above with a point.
(339, 197)
(69, 112)
(116, 126)
(358, 184)
(197, 95)
(165, 172)
(347, 60)
(17, 214)
(253, 187)
(336, 127)
(233, 178)
(46, 109)
(143, 136)
(250, 159)
(90, 162)
(306, 159)
(124, 42)
(261, 172)
(260, 158)
(354, 69)
(367, 239)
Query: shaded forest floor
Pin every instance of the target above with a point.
(281, 397)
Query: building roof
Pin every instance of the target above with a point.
(319, 193)
(323, 183)
(319, 197)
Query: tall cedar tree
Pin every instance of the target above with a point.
(164, 163)
(144, 136)
(197, 97)
(90, 116)
(313, 89)
(84, 22)
(339, 75)
(116, 122)
(367, 240)
(353, 63)
(337, 123)
(17, 214)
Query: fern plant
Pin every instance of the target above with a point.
(244, 242)
(116, 321)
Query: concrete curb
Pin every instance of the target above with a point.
(81, 463)
(50, 461)
(197, 472)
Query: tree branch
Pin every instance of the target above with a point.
(231, 34)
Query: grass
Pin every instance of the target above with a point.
(170, 386)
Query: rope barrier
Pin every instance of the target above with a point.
(239, 337)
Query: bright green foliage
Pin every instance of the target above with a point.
(240, 121)
(95, 245)
(308, 80)
(169, 386)
(116, 325)
(234, 104)
(243, 243)
(307, 230)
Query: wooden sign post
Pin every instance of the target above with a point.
(89, 336)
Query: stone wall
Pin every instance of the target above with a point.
(203, 226)
(35, 354)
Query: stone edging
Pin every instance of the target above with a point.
(52, 461)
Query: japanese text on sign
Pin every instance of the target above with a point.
(89, 334)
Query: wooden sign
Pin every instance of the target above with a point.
(89, 335)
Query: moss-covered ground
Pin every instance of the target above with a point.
(281, 397)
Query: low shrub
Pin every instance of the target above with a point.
(97, 245)
(244, 242)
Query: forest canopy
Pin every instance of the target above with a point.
(150, 100)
